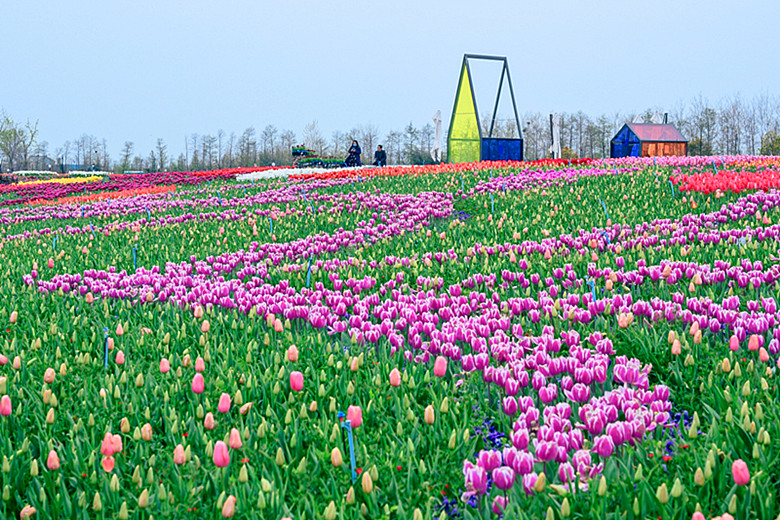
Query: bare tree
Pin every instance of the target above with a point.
(162, 153)
(127, 153)
(313, 138)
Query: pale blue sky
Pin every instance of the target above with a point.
(144, 69)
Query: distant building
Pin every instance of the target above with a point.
(648, 140)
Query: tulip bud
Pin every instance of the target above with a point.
(336, 458)
(143, 499)
(280, 461)
(698, 477)
(229, 507)
(351, 496)
(602, 489)
(430, 416)
(662, 494)
(367, 483)
(541, 482)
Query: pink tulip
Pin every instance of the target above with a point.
(278, 327)
(119, 329)
(89, 298)
(292, 354)
(224, 403)
(48, 376)
(734, 343)
(198, 385)
(108, 464)
(395, 377)
(116, 443)
(3, 360)
(235, 440)
(208, 421)
(107, 446)
(753, 342)
(229, 507)
(205, 326)
(165, 366)
(198, 312)
(296, 381)
(110, 343)
(740, 472)
(698, 516)
(355, 416)
(179, 457)
(120, 358)
(53, 461)
(14, 317)
(200, 365)
(50, 263)
(5, 406)
(221, 454)
(676, 348)
(440, 366)
(763, 355)
(27, 512)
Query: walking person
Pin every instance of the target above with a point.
(353, 159)
(380, 156)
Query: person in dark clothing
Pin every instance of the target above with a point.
(380, 156)
(353, 159)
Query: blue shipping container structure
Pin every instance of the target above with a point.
(648, 140)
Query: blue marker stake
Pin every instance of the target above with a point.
(504, 186)
(714, 167)
(672, 185)
(347, 425)
(654, 163)
(92, 228)
(604, 233)
(135, 262)
(54, 243)
(491, 203)
(605, 208)
(244, 191)
(461, 184)
(593, 289)
(105, 348)
(220, 198)
(271, 221)
(148, 215)
(82, 211)
(308, 273)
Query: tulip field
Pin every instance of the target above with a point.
(557, 339)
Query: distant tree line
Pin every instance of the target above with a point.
(732, 126)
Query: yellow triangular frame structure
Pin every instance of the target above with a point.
(465, 137)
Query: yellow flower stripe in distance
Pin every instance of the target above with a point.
(65, 180)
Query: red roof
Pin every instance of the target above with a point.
(658, 133)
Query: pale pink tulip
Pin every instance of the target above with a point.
(165, 366)
(107, 446)
(292, 353)
(235, 439)
(208, 421)
(116, 443)
(355, 416)
(229, 507)
(14, 317)
(53, 461)
(205, 326)
(198, 385)
(296, 381)
(120, 358)
(395, 377)
(48, 376)
(224, 403)
(200, 365)
(108, 464)
(179, 457)
(221, 454)
(440, 366)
